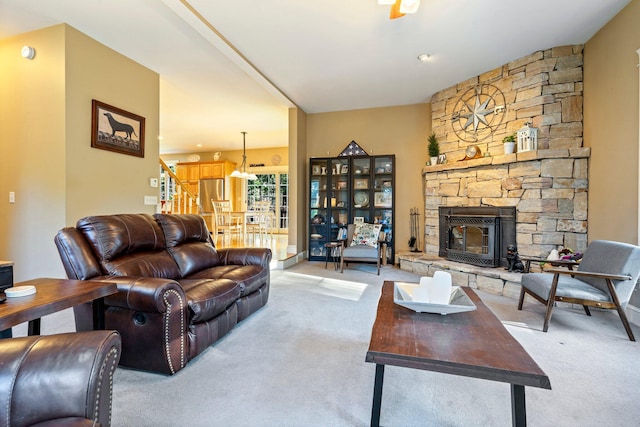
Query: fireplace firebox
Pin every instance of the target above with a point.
(477, 235)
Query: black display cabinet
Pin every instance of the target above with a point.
(347, 187)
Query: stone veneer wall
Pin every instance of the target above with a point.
(549, 186)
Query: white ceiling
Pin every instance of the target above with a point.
(231, 66)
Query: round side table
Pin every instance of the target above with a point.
(330, 248)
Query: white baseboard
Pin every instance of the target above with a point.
(288, 262)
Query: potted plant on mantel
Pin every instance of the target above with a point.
(509, 143)
(434, 149)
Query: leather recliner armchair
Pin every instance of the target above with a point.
(61, 380)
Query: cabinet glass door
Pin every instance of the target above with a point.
(318, 218)
(340, 199)
(361, 186)
(383, 197)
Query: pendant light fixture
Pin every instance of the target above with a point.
(400, 7)
(243, 167)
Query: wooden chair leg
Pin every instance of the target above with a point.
(550, 302)
(625, 323)
(521, 300)
(623, 316)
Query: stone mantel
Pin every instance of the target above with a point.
(547, 187)
(563, 153)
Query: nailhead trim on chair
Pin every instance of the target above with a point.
(112, 355)
(166, 330)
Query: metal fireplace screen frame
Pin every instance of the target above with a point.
(476, 235)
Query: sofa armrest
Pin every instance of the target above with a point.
(148, 294)
(151, 315)
(245, 256)
(58, 376)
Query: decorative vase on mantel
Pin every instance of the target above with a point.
(509, 147)
(509, 143)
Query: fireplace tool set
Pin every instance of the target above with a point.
(414, 240)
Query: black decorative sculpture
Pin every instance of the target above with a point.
(513, 260)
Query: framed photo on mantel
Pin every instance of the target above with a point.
(117, 130)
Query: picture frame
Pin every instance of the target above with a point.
(342, 185)
(315, 170)
(114, 129)
(381, 199)
(358, 220)
(361, 183)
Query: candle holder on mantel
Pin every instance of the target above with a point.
(527, 138)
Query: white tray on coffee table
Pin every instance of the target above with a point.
(458, 303)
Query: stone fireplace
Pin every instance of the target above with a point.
(547, 188)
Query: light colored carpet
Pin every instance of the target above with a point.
(299, 361)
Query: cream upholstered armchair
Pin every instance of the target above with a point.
(361, 245)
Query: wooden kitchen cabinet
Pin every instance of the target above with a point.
(212, 170)
(190, 174)
(194, 171)
(188, 171)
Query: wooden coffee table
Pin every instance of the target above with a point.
(54, 295)
(472, 344)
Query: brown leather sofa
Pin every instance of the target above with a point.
(177, 293)
(58, 380)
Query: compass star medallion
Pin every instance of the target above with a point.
(478, 112)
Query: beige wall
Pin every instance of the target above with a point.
(611, 126)
(32, 139)
(118, 182)
(401, 130)
(45, 116)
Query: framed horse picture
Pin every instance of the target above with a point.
(114, 129)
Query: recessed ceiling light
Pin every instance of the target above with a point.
(198, 145)
(424, 57)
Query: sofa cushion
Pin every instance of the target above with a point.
(207, 297)
(249, 277)
(111, 236)
(611, 257)
(189, 242)
(360, 251)
(143, 264)
(129, 245)
(568, 287)
(366, 234)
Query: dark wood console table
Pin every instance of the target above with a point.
(477, 345)
(54, 295)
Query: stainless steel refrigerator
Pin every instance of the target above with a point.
(211, 189)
